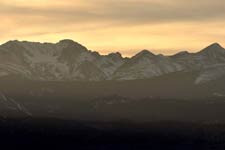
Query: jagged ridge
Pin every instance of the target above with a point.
(69, 60)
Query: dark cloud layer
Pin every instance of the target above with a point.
(136, 12)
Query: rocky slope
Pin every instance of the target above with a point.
(70, 61)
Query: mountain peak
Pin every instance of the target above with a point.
(144, 53)
(11, 42)
(215, 45)
(213, 48)
(67, 41)
(117, 55)
(72, 45)
(181, 54)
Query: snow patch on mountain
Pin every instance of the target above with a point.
(211, 73)
(146, 65)
(70, 61)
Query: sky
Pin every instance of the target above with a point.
(127, 26)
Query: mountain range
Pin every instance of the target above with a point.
(68, 60)
(66, 80)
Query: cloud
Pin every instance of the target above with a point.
(125, 11)
(111, 24)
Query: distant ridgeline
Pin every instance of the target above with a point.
(70, 61)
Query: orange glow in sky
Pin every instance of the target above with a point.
(128, 26)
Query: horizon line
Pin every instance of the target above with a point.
(114, 52)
